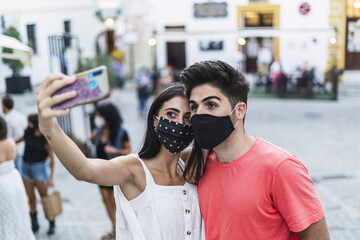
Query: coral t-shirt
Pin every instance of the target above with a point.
(265, 194)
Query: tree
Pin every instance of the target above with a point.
(15, 65)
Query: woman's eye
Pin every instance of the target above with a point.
(171, 114)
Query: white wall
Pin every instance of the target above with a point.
(49, 17)
(295, 48)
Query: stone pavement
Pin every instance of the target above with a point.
(323, 134)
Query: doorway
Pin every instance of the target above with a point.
(176, 54)
(253, 16)
(352, 55)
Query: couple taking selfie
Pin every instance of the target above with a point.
(226, 185)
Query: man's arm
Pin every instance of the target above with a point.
(316, 231)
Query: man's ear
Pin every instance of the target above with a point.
(240, 110)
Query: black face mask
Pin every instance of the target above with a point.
(174, 136)
(210, 131)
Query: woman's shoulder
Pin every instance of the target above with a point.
(7, 149)
(130, 161)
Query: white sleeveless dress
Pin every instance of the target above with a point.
(160, 212)
(14, 211)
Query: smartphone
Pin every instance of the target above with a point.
(91, 86)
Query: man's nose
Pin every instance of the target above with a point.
(200, 110)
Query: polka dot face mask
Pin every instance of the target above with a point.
(174, 136)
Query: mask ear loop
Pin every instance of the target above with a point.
(238, 120)
(156, 117)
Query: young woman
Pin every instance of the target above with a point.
(35, 170)
(14, 215)
(153, 199)
(111, 140)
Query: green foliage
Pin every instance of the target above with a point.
(15, 65)
(98, 60)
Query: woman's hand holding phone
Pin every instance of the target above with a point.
(46, 99)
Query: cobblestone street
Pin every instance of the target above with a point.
(323, 134)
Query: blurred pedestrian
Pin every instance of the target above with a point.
(111, 140)
(263, 61)
(14, 215)
(153, 199)
(16, 124)
(165, 80)
(35, 169)
(143, 82)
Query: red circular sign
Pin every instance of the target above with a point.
(304, 8)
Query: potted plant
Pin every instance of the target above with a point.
(16, 83)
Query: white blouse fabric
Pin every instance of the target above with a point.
(14, 212)
(160, 212)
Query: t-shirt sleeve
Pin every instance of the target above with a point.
(295, 197)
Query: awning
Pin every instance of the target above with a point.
(21, 51)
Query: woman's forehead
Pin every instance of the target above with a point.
(176, 102)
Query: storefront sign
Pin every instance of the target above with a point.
(210, 9)
(304, 8)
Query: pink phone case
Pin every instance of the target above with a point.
(87, 88)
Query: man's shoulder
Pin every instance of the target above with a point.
(17, 116)
(272, 153)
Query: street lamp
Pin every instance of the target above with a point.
(241, 41)
(334, 73)
(152, 43)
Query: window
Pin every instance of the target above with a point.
(31, 34)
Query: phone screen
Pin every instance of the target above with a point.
(91, 86)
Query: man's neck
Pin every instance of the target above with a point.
(235, 146)
(7, 111)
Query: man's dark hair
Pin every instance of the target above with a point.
(8, 102)
(230, 81)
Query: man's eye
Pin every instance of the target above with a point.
(211, 105)
(187, 118)
(193, 107)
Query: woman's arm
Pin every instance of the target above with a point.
(52, 164)
(20, 139)
(114, 172)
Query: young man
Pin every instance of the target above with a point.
(250, 189)
(17, 124)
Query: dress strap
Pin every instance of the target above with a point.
(125, 216)
(149, 178)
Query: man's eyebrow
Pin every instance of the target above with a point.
(210, 97)
(205, 99)
(174, 109)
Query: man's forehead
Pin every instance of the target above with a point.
(203, 92)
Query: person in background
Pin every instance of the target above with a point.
(143, 82)
(16, 124)
(165, 80)
(250, 188)
(111, 140)
(153, 200)
(263, 61)
(35, 169)
(14, 215)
